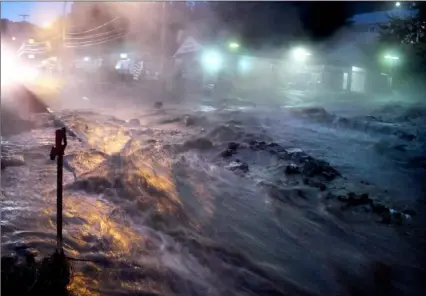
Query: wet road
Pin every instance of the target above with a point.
(163, 215)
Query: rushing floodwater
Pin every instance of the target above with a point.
(161, 215)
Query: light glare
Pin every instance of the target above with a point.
(212, 61)
(234, 45)
(300, 54)
(390, 57)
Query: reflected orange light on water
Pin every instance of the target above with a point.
(109, 143)
(80, 283)
(86, 161)
(88, 226)
(95, 221)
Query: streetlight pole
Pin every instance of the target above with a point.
(392, 59)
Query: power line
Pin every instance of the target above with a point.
(93, 29)
(96, 35)
(95, 43)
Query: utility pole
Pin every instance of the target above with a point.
(163, 36)
(24, 17)
(163, 48)
(63, 33)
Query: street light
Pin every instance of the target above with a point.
(390, 57)
(86, 59)
(123, 55)
(300, 54)
(398, 4)
(234, 45)
(212, 61)
(13, 38)
(31, 41)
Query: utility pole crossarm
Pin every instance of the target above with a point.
(24, 17)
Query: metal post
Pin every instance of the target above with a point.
(58, 151)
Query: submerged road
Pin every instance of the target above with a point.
(163, 211)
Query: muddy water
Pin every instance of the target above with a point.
(160, 215)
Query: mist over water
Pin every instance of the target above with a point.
(207, 195)
(156, 207)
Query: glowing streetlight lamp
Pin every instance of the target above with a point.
(14, 38)
(398, 4)
(212, 61)
(391, 57)
(86, 59)
(300, 54)
(234, 45)
(31, 41)
(123, 55)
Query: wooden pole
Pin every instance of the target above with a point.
(63, 34)
(163, 52)
(163, 38)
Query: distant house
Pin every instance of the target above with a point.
(353, 46)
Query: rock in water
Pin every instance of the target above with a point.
(231, 149)
(227, 153)
(134, 121)
(188, 120)
(12, 161)
(233, 146)
(292, 169)
(200, 143)
(238, 166)
(258, 145)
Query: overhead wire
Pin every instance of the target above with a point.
(95, 35)
(97, 42)
(93, 29)
(93, 39)
(81, 41)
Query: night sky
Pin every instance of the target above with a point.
(43, 12)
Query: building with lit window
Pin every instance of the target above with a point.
(353, 46)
